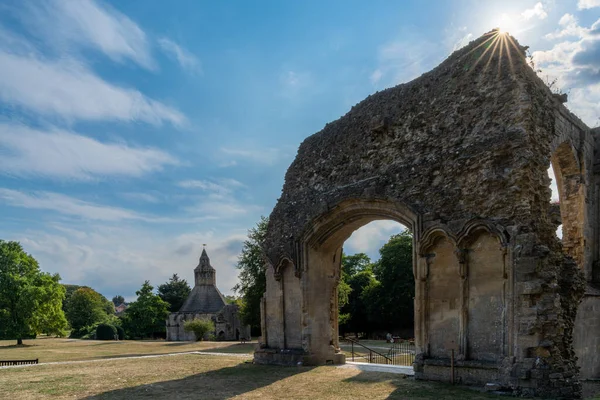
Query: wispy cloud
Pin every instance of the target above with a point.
(585, 4)
(67, 89)
(265, 156)
(221, 186)
(66, 205)
(401, 60)
(186, 60)
(66, 155)
(89, 24)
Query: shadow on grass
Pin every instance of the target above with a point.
(18, 346)
(409, 388)
(234, 348)
(223, 383)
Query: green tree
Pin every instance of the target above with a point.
(252, 282)
(394, 304)
(145, 316)
(174, 292)
(353, 264)
(85, 308)
(200, 327)
(50, 317)
(356, 307)
(118, 300)
(23, 291)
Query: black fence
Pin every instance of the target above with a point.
(9, 363)
(402, 353)
(399, 353)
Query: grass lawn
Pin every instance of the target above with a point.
(50, 349)
(194, 376)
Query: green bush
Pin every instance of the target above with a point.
(120, 332)
(105, 332)
(200, 327)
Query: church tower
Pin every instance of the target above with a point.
(204, 273)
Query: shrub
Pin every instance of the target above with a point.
(200, 327)
(120, 332)
(105, 332)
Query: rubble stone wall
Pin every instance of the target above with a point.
(460, 156)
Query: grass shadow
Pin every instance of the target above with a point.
(18, 346)
(223, 383)
(409, 388)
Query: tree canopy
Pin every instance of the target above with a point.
(146, 315)
(252, 282)
(174, 292)
(85, 308)
(118, 300)
(30, 300)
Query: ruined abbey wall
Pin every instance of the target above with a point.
(459, 156)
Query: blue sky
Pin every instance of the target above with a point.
(133, 132)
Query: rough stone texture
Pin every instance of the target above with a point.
(206, 301)
(459, 156)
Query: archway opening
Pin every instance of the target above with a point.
(567, 189)
(376, 289)
(376, 294)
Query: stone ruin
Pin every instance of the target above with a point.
(459, 156)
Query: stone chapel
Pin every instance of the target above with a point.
(206, 301)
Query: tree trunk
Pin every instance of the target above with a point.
(19, 342)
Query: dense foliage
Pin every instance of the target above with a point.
(85, 309)
(146, 316)
(118, 300)
(382, 293)
(106, 332)
(252, 282)
(174, 292)
(30, 300)
(201, 327)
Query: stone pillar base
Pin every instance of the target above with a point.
(295, 358)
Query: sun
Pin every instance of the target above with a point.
(506, 24)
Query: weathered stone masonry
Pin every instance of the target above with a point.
(459, 156)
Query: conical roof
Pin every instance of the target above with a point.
(204, 298)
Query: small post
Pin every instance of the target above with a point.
(452, 367)
(352, 350)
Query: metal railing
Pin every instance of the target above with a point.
(402, 353)
(366, 354)
(7, 363)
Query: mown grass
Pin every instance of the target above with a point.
(51, 349)
(193, 376)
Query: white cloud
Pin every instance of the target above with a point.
(266, 156)
(222, 186)
(462, 42)
(65, 205)
(585, 4)
(116, 259)
(69, 90)
(401, 60)
(575, 63)
(186, 60)
(372, 236)
(62, 154)
(569, 26)
(141, 197)
(91, 24)
(537, 11)
(376, 76)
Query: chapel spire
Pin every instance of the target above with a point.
(204, 273)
